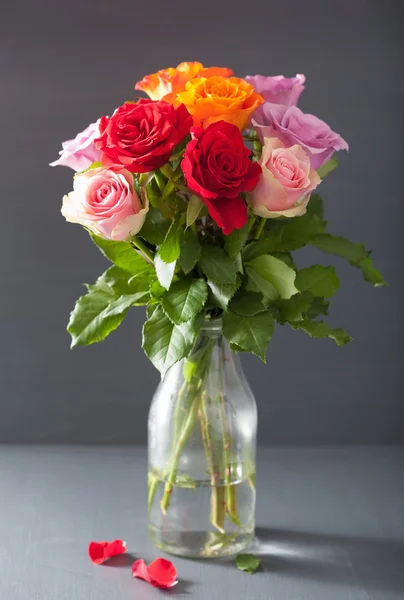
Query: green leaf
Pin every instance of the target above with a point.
(269, 242)
(315, 207)
(123, 255)
(356, 254)
(247, 303)
(156, 289)
(155, 227)
(299, 232)
(319, 280)
(248, 562)
(170, 249)
(217, 265)
(165, 343)
(257, 283)
(153, 193)
(252, 334)
(165, 272)
(122, 283)
(185, 300)
(222, 294)
(293, 309)
(150, 308)
(318, 307)
(287, 258)
(194, 207)
(235, 241)
(98, 313)
(275, 272)
(328, 167)
(190, 251)
(320, 330)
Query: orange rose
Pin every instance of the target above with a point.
(167, 83)
(217, 98)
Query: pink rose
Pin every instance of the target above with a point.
(278, 89)
(105, 201)
(293, 126)
(80, 153)
(286, 182)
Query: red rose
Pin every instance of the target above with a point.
(217, 167)
(141, 136)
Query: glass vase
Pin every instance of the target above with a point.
(202, 446)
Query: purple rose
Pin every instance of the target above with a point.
(292, 126)
(279, 89)
(80, 153)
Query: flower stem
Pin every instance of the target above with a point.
(216, 514)
(182, 440)
(183, 427)
(148, 254)
(260, 228)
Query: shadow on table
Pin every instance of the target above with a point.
(374, 563)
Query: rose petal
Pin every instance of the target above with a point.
(228, 213)
(99, 552)
(160, 573)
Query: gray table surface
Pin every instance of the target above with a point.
(330, 526)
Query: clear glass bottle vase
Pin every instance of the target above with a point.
(202, 445)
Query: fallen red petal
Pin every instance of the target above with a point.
(99, 552)
(160, 573)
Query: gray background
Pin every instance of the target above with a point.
(63, 64)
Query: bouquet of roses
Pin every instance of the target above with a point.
(198, 196)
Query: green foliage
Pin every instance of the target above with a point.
(185, 300)
(319, 280)
(190, 251)
(122, 283)
(328, 167)
(222, 294)
(165, 343)
(269, 242)
(276, 272)
(320, 330)
(217, 265)
(164, 271)
(101, 311)
(123, 255)
(251, 334)
(170, 249)
(235, 242)
(298, 232)
(156, 289)
(182, 276)
(356, 254)
(317, 308)
(293, 309)
(155, 227)
(195, 205)
(315, 207)
(248, 562)
(247, 304)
